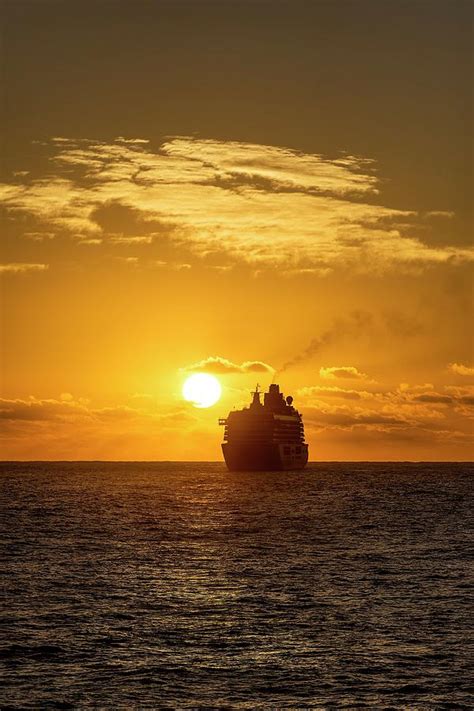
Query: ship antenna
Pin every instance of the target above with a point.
(256, 397)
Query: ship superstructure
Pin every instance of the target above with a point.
(265, 436)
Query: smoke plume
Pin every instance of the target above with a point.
(354, 325)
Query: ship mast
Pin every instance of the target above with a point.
(256, 397)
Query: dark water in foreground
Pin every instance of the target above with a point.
(134, 586)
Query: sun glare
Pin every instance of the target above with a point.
(202, 390)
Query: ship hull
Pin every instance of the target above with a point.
(264, 457)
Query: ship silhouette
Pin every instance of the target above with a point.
(265, 437)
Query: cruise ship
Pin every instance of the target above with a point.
(266, 436)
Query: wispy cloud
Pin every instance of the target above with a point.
(48, 409)
(262, 205)
(66, 409)
(220, 366)
(281, 167)
(90, 240)
(342, 371)
(139, 239)
(39, 236)
(414, 405)
(22, 268)
(461, 369)
(174, 266)
(419, 415)
(345, 417)
(316, 392)
(65, 427)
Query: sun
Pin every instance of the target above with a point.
(202, 390)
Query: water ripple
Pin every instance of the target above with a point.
(182, 586)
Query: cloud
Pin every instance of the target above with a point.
(343, 371)
(67, 410)
(39, 236)
(46, 409)
(281, 167)
(450, 396)
(266, 206)
(22, 268)
(414, 408)
(70, 427)
(439, 213)
(330, 392)
(461, 369)
(128, 260)
(133, 141)
(120, 239)
(220, 366)
(389, 417)
(348, 418)
(62, 428)
(175, 266)
(434, 398)
(414, 395)
(308, 393)
(458, 393)
(407, 388)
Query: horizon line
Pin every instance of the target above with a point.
(219, 461)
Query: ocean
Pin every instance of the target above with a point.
(180, 585)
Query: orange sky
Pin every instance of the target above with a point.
(203, 187)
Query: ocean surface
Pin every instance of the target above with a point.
(179, 585)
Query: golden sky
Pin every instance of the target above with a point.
(241, 189)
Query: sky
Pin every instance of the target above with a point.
(254, 190)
